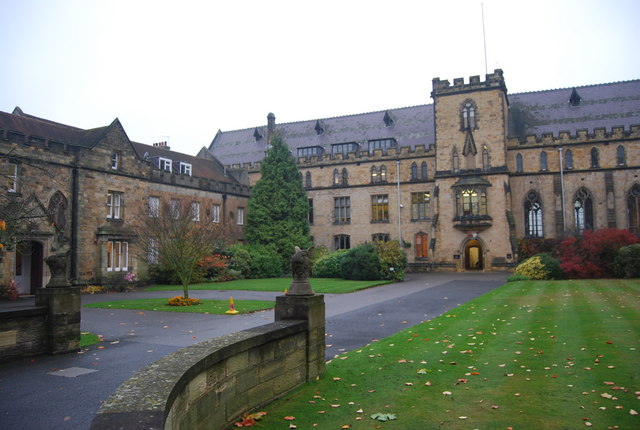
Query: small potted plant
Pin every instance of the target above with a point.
(12, 290)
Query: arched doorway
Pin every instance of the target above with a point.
(29, 264)
(473, 255)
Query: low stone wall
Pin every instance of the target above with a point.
(23, 332)
(210, 385)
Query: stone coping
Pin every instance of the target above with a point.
(147, 396)
(24, 311)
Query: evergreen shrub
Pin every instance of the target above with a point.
(626, 263)
(329, 265)
(265, 262)
(540, 266)
(393, 260)
(240, 260)
(361, 263)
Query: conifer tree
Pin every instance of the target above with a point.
(278, 206)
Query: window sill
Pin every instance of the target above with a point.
(420, 219)
(386, 221)
(341, 222)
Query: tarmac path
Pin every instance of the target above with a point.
(65, 391)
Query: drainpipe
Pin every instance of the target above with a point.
(74, 221)
(564, 226)
(400, 242)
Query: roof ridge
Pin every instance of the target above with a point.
(577, 86)
(25, 115)
(330, 117)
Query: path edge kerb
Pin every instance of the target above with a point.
(145, 400)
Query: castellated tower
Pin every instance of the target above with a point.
(474, 224)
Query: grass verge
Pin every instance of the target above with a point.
(88, 339)
(218, 307)
(319, 285)
(532, 354)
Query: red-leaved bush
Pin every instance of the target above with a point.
(592, 255)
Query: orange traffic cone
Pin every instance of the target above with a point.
(232, 309)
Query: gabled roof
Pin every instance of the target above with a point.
(29, 125)
(595, 106)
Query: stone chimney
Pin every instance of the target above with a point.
(162, 145)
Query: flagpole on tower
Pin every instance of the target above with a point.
(484, 39)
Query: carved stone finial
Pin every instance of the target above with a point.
(300, 269)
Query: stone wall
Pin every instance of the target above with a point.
(23, 333)
(210, 385)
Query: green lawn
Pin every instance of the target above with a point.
(319, 285)
(528, 355)
(205, 307)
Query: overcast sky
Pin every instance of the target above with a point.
(181, 70)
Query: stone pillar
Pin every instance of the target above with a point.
(311, 309)
(63, 304)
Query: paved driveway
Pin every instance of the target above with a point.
(64, 392)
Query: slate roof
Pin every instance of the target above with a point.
(411, 126)
(605, 105)
(201, 167)
(32, 126)
(600, 106)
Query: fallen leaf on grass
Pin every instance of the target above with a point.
(383, 417)
(289, 418)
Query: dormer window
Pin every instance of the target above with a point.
(575, 98)
(383, 144)
(319, 128)
(468, 115)
(309, 151)
(185, 168)
(165, 164)
(388, 119)
(344, 148)
(257, 134)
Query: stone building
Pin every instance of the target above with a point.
(461, 180)
(92, 189)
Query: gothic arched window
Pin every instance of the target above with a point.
(414, 171)
(374, 174)
(58, 210)
(308, 180)
(543, 161)
(345, 176)
(468, 115)
(621, 158)
(383, 173)
(633, 209)
(568, 160)
(336, 177)
(532, 215)
(583, 210)
(424, 172)
(519, 167)
(595, 158)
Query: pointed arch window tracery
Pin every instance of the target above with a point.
(533, 215)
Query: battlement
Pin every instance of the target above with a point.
(580, 136)
(354, 157)
(493, 80)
